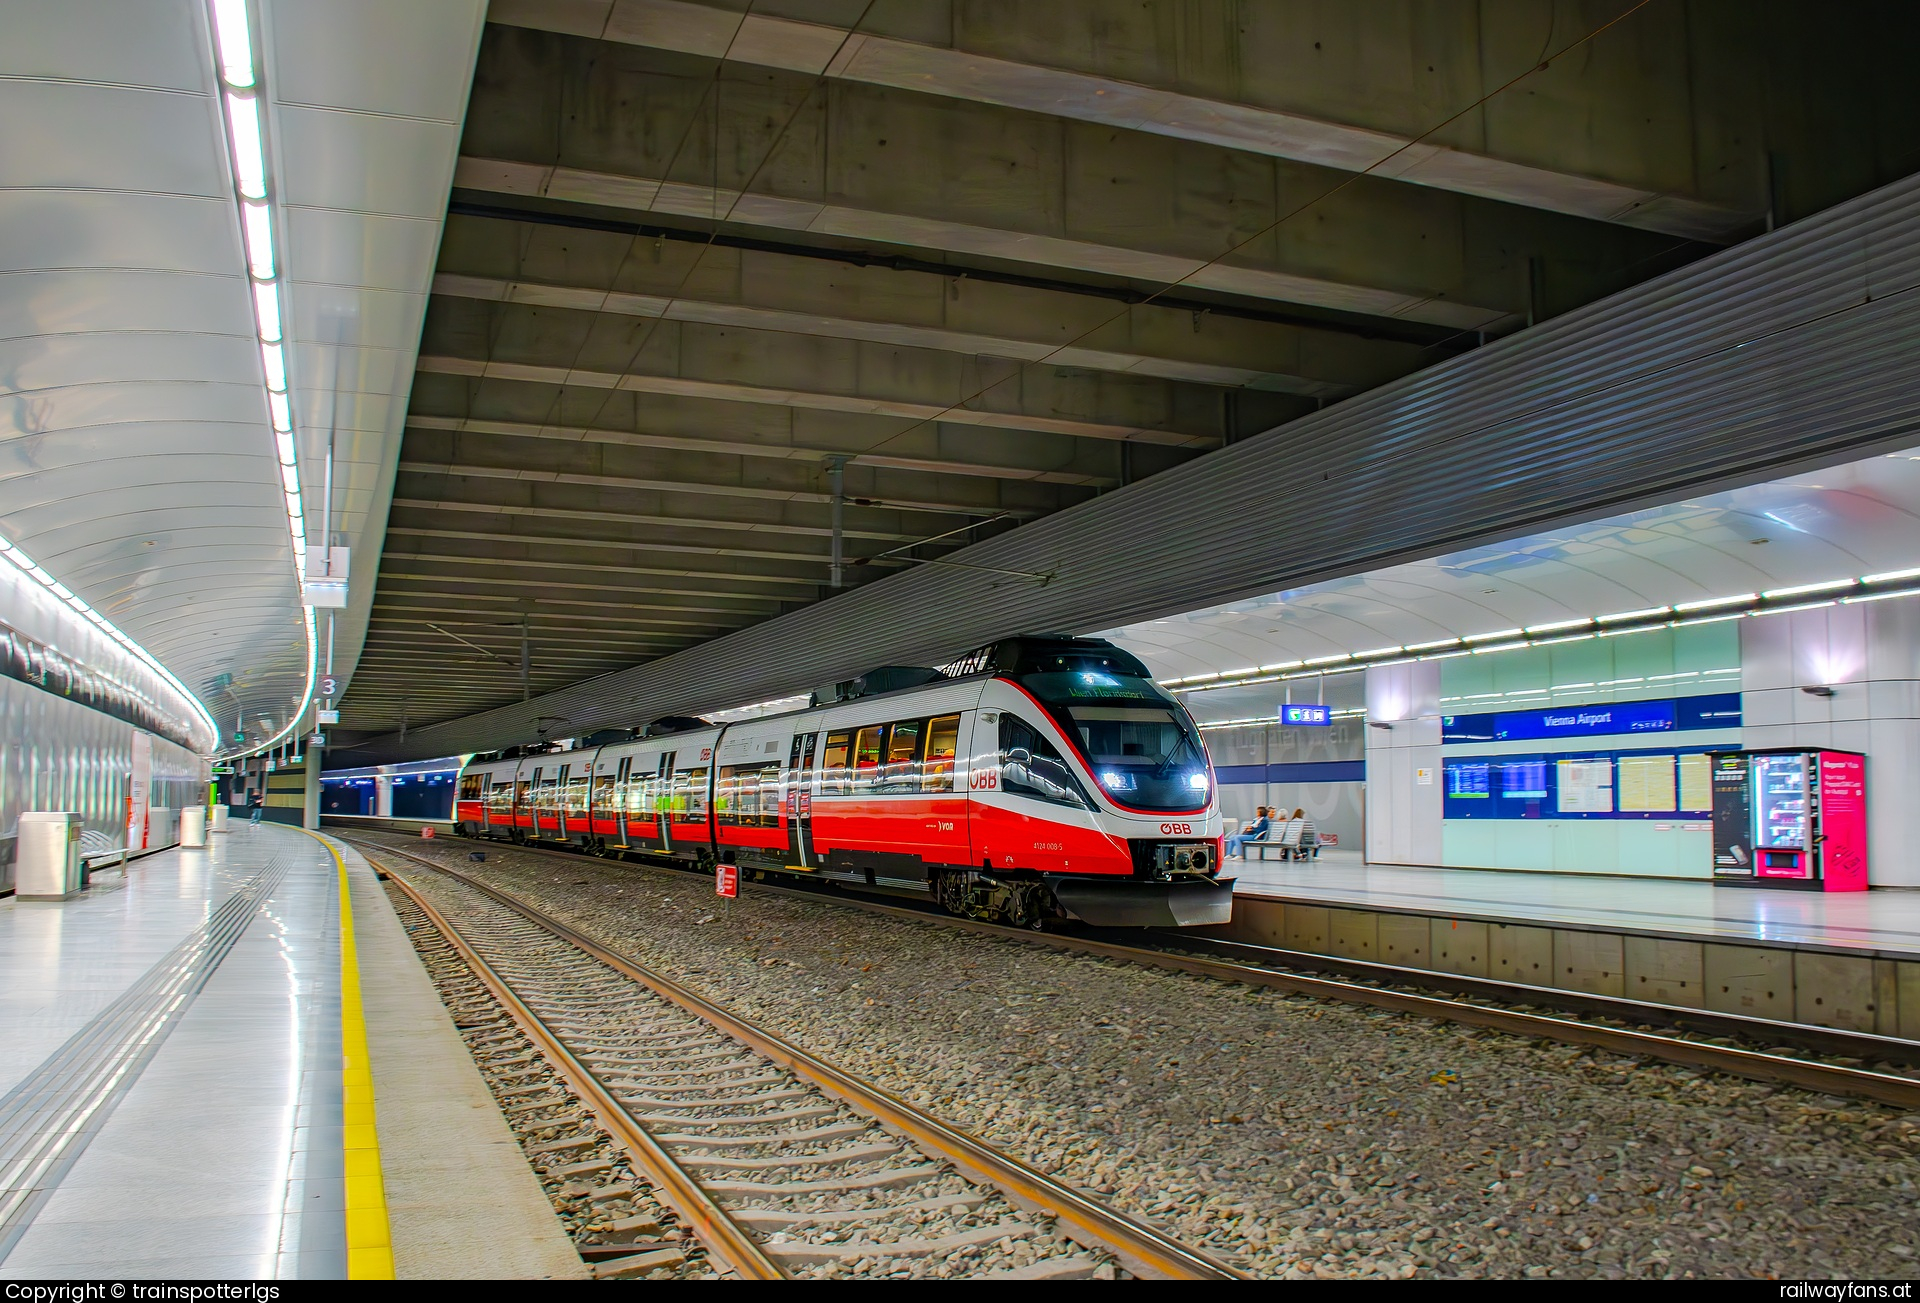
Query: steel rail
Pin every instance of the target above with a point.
(1833, 1079)
(1143, 1250)
(719, 1232)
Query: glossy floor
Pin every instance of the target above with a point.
(216, 1151)
(1887, 921)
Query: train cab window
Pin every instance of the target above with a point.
(869, 744)
(901, 773)
(834, 763)
(472, 786)
(943, 743)
(1031, 766)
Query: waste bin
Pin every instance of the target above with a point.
(47, 856)
(193, 826)
(219, 821)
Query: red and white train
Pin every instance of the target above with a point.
(1036, 779)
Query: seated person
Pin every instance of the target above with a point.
(1252, 832)
(1304, 848)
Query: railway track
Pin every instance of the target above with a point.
(781, 1164)
(1695, 1038)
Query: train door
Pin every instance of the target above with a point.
(617, 800)
(527, 803)
(558, 812)
(800, 800)
(663, 801)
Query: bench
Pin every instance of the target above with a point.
(1295, 842)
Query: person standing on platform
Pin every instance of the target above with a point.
(258, 806)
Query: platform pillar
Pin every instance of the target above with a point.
(310, 811)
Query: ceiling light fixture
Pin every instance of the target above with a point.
(26, 564)
(1618, 625)
(233, 36)
(1800, 589)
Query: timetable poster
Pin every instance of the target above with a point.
(1586, 786)
(1647, 785)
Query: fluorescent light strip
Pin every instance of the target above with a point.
(236, 42)
(1801, 589)
(1879, 597)
(1518, 638)
(249, 158)
(233, 37)
(25, 563)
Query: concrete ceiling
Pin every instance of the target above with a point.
(137, 461)
(1003, 258)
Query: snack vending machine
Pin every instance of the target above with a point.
(1790, 818)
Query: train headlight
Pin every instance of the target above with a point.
(1115, 781)
(1198, 782)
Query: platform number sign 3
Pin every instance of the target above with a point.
(726, 881)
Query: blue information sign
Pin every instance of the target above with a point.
(1313, 715)
(1715, 710)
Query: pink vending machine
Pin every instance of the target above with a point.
(1790, 818)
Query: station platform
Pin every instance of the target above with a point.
(1848, 959)
(1880, 922)
(229, 1063)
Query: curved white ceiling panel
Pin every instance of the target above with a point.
(137, 457)
(1844, 522)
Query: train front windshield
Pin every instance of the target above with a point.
(1144, 751)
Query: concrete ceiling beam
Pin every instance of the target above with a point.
(495, 539)
(693, 361)
(1087, 354)
(872, 494)
(703, 582)
(812, 455)
(495, 589)
(647, 194)
(984, 55)
(548, 583)
(552, 507)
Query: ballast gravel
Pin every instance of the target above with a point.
(1296, 1136)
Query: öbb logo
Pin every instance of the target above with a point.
(1176, 829)
(984, 780)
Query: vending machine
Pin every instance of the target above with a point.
(1790, 818)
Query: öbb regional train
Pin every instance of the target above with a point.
(1037, 779)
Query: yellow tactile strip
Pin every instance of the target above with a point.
(369, 1235)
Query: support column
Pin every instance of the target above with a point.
(310, 812)
(383, 796)
(1403, 807)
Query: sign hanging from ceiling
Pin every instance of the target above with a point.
(1311, 716)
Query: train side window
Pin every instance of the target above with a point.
(868, 747)
(902, 770)
(943, 742)
(1031, 766)
(834, 763)
(603, 788)
(691, 785)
